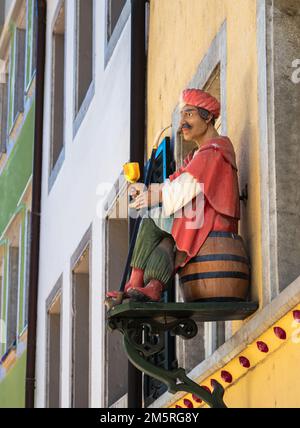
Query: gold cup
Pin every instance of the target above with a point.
(132, 171)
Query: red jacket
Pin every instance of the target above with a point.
(213, 165)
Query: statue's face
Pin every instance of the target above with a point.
(192, 126)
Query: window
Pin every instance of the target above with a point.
(80, 380)
(14, 271)
(31, 26)
(3, 113)
(114, 10)
(213, 86)
(16, 76)
(214, 332)
(53, 353)
(115, 242)
(84, 62)
(3, 293)
(117, 13)
(1, 301)
(13, 287)
(58, 84)
(116, 359)
(26, 266)
(2, 14)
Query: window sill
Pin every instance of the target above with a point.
(248, 333)
(16, 124)
(29, 91)
(122, 403)
(56, 169)
(84, 108)
(114, 38)
(3, 156)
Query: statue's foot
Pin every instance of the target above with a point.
(116, 294)
(136, 281)
(115, 299)
(151, 293)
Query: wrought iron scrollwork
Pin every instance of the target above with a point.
(139, 349)
(134, 329)
(185, 328)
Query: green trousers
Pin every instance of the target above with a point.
(154, 252)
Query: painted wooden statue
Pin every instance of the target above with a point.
(192, 222)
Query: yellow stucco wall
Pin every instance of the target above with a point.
(270, 379)
(271, 384)
(181, 32)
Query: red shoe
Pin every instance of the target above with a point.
(136, 281)
(151, 293)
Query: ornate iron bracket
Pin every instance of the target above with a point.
(138, 350)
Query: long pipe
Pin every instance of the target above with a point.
(137, 140)
(36, 204)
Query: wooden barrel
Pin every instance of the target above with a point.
(220, 271)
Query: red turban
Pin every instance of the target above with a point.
(199, 98)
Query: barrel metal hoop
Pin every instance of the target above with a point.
(219, 257)
(220, 234)
(208, 275)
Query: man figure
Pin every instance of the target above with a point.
(168, 240)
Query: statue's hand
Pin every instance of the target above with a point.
(148, 198)
(136, 189)
(140, 201)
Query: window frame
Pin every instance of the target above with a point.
(85, 244)
(14, 111)
(56, 293)
(4, 298)
(30, 45)
(117, 192)
(2, 15)
(53, 170)
(26, 249)
(14, 238)
(11, 77)
(118, 30)
(80, 115)
(9, 344)
(23, 273)
(20, 257)
(4, 115)
(6, 294)
(2, 286)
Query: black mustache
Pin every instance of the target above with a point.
(186, 125)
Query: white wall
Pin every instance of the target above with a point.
(96, 155)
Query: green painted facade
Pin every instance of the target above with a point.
(13, 181)
(12, 387)
(14, 178)
(17, 171)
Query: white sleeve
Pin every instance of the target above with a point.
(179, 192)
